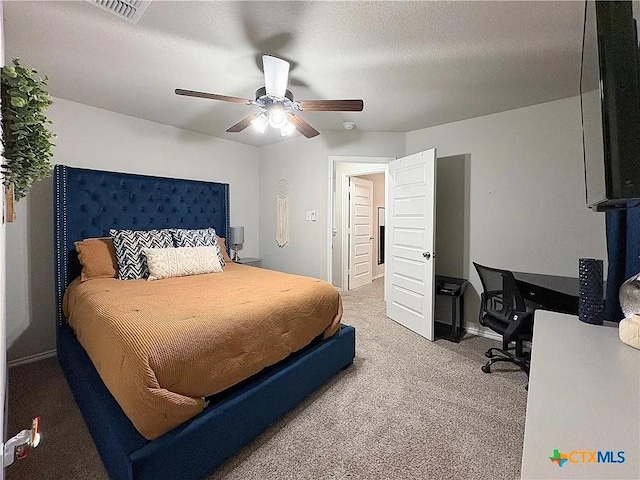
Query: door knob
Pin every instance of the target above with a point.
(426, 255)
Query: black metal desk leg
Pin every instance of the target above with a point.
(461, 312)
(454, 318)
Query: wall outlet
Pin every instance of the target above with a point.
(311, 215)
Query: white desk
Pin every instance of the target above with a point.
(584, 395)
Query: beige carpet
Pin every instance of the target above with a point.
(406, 409)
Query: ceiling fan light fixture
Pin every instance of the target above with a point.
(260, 123)
(277, 118)
(287, 130)
(280, 110)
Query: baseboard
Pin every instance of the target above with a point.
(377, 277)
(31, 358)
(482, 332)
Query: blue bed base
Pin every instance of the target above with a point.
(86, 204)
(194, 448)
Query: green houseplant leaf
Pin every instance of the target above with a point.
(26, 138)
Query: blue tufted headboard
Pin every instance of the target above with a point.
(87, 203)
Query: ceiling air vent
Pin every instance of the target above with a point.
(130, 10)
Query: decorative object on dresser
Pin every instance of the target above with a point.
(630, 296)
(629, 328)
(283, 187)
(252, 262)
(236, 239)
(590, 293)
(629, 331)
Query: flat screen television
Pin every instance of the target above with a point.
(610, 104)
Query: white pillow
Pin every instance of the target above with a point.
(182, 261)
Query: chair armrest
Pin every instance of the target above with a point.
(521, 324)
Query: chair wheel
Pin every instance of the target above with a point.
(486, 368)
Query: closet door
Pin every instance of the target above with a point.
(360, 232)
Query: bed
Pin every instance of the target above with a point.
(87, 204)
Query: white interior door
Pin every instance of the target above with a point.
(410, 239)
(360, 232)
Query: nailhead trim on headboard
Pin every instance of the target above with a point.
(60, 232)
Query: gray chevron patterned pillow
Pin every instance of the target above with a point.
(205, 237)
(129, 245)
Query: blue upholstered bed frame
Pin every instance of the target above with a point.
(87, 204)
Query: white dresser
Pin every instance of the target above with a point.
(584, 396)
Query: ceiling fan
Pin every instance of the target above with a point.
(280, 109)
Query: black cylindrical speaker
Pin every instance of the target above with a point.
(590, 291)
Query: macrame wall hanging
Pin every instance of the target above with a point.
(283, 187)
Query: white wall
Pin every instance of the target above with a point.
(452, 216)
(527, 203)
(94, 138)
(305, 163)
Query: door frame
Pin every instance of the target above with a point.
(332, 185)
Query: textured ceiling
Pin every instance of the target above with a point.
(415, 64)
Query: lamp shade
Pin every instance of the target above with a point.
(236, 235)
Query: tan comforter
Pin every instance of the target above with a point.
(161, 346)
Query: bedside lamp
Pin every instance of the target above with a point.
(236, 238)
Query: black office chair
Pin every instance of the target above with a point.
(505, 311)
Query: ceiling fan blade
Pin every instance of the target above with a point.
(212, 96)
(242, 124)
(276, 75)
(331, 105)
(302, 126)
